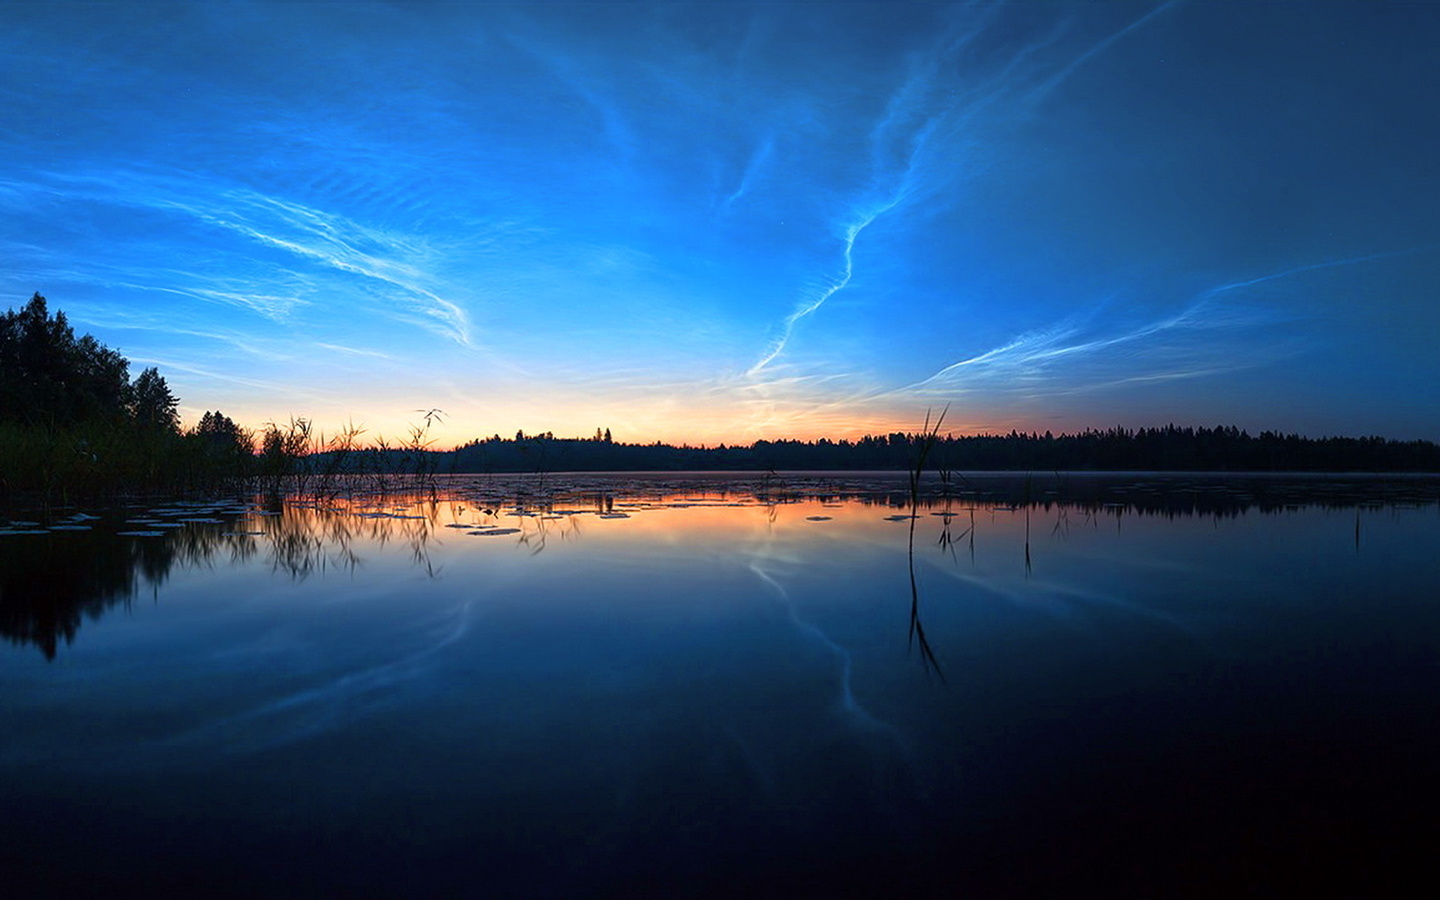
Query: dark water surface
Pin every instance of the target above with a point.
(712, 685)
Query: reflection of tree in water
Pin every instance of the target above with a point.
(50, 583)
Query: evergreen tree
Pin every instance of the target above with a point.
(152, 406)
(222, 438)
(49, 376)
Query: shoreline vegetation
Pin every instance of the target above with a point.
(74, 426)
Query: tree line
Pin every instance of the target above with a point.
(73, 423)
(1169, 448)
(50, 377)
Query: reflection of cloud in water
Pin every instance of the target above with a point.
(842, 750)
(1067, 602)
(330, 705)
(846, 701)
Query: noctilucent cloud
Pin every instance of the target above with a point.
(717, 222)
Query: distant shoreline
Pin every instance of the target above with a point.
(1167, 449)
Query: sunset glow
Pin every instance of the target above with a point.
(720, 222)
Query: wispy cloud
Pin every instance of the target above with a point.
(395, 264)
(1055, 80)
(213, 374)
(919, 145)
(1210, 335)
(751, 219)
(150, 325)
(344, 245)
(354, 351)
(586, 84)
(753, 166)
(1312, 267)
(891, 184)
(839, 283)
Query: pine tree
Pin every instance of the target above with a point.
(152, 405)
(49, 376)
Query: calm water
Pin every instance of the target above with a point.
(677, 686)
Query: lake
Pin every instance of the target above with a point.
(697, 685)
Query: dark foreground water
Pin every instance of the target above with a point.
(672, 686)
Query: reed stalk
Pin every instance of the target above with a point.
(916, 636)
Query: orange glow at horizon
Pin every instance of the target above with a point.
(656, 422)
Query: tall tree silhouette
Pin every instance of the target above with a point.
(152, 405)
(47, 375)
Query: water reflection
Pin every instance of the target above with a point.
(56, 571)
(48, 585)
(51, 579)
(510, 688)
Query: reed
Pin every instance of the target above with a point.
(916, 637)
(336, 460)
(419, 458)
(295, 458)
(928, 435)
(283, 451)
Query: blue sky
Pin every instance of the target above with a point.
(725, 221)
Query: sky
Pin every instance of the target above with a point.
(722, 222)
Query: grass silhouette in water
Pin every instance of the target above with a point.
(917, 637)
(294, 458)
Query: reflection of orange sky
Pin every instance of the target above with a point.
(976, 543)
(693, 519)
(692, 516)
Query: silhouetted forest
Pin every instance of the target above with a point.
(1171, 448)
(73, 424)
(50, 377)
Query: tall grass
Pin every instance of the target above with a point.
(337, 460)
(295, 458)
(928, 435)
(283, 454)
